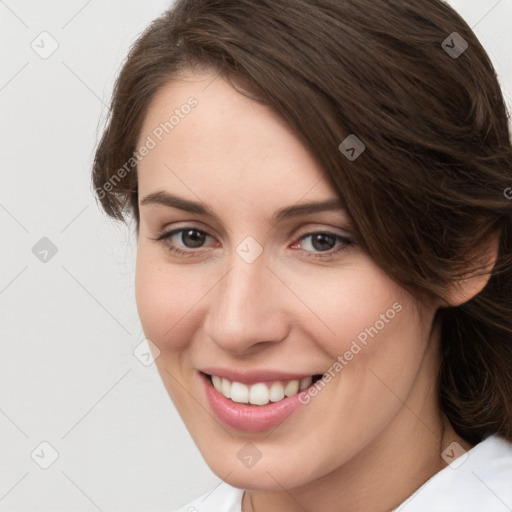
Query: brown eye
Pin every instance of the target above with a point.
(183, 241)
(322, 241)
(321, 244)
(192, 237)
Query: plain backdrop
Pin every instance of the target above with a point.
(84, 424)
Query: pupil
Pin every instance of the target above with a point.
(323, 242)
(193, 238)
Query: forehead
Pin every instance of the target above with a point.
(208, 138)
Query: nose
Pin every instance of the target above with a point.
(247, 308)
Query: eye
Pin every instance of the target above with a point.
(320, 244)
(188, 242)
(183, 241)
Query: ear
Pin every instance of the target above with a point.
(468, 287)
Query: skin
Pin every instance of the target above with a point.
(375, 433)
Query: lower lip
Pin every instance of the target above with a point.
(250, 418)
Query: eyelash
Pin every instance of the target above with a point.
(345, 243)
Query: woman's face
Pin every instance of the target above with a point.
(247, 285)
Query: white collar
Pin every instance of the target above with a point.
(482, 482)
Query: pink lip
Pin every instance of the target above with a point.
(250, 418)
(253, 376)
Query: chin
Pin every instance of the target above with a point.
(269, 473)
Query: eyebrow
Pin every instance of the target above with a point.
(166, 199)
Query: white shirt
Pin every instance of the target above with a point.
(478, 481)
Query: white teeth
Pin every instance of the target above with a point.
(259, 393)
(239, 392)
(305, 382)
(226, 388)
(217, 383)
(276, 392)
(291, 387)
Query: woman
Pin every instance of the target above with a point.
(324, 249)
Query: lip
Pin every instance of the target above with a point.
(249, 418)
(253, 376)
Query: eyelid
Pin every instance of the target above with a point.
(313, 228)
(164, 234)
(167, 230)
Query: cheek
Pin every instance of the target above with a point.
(167, 300)
(380, 360)
(354, 308)
(166, 296)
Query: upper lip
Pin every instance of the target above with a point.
(253, 376)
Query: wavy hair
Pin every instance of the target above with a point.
(411, 80)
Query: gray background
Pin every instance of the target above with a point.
(69, 325)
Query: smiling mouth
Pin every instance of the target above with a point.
(260, 393)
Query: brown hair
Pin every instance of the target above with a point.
(425, 195)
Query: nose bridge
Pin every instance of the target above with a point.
(244, 308)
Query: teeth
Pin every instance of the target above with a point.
(217, 383)
(305, 382)
(291, 387)
(226, 388)
(276, 392)
(259, 393)
(239, 392)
